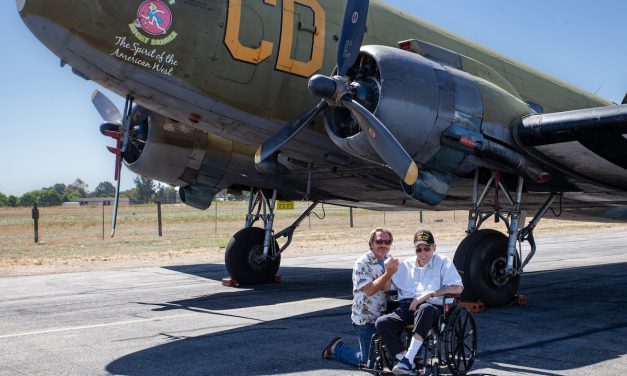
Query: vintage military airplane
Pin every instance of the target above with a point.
(397, 115)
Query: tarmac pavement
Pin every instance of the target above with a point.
(182, 321)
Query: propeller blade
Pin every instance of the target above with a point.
(125, 126)
(106, 108)
(112, 134)
(285, 134)
(115, 126)
(383, 142)
(118, 166)
(113, 150)
(353, 30)
(118, 171)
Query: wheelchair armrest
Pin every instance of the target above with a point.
(453, 296)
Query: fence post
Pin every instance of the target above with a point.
(35, 215)
(103, 205)
(159, 215)
(215, 229)
(421, 216)
(350, 214)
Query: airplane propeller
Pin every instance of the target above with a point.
(117, 127)
(338, 91)
(352, 35)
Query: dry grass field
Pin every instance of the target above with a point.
(71, 238)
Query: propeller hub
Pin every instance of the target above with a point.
(322, 86)
(366, 93)
(106, 126)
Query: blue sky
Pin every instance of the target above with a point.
(50, 129)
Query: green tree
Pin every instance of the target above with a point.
(104, 189)
(28, 198)
(12, 201)
(3, 199)
(166, 194)
(46, 196)
(131, 194)
(59, 188)
(49, 197)
(77, 189)
(145, 189)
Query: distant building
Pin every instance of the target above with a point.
(106, 201)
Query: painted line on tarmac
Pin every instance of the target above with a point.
(299, 302)
(127, 322)
(56, 330)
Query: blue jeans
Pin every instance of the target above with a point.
(350, 355)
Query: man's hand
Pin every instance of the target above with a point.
(383, 282)
(391, 265)
(420, 299)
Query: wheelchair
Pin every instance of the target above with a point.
(451, 344)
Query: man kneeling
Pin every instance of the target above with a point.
(421, 282)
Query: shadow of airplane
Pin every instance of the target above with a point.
(298, 284)
(574, 318)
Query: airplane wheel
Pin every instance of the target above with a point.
(482, 256)
(461, 255)
(244, 257)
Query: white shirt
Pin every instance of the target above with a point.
(412, 280)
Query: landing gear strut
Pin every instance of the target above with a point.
(489, 260)
(253, 255)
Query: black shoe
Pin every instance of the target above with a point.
(328, 353)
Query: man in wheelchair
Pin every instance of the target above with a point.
(421, 283)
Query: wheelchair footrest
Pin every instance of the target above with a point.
(473, 307)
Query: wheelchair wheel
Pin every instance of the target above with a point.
(460, 341)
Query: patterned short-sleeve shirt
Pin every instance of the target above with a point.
(366, 309)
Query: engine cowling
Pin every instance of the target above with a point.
(419, 99)
(202, 164)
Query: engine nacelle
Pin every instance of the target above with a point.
(202, 164)
(418, 99)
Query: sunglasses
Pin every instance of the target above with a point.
(386, 242)
(420, 250)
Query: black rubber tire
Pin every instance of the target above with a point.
(239, 258)
(460, 341)
(460, 259)
(481, 259)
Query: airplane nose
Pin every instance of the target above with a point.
(20, 4)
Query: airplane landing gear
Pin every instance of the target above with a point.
(483, 255)
(489, 260)
(253, 255)
(244, 257)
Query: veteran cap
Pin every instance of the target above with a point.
(423, 237)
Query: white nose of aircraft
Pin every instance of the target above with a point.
(20, 4)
